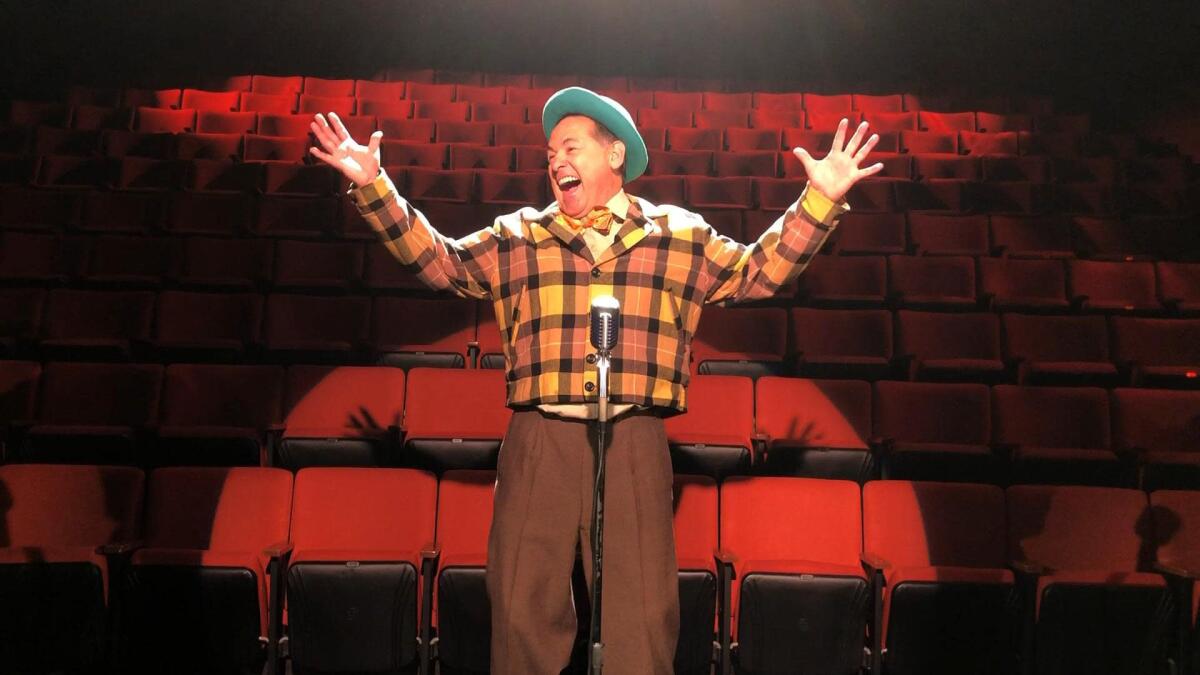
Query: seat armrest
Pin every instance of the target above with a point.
(873, 563)
(279, 549)
(120, 548)
(1176, 571)
(1029, 568)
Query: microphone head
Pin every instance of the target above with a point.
(605, 318)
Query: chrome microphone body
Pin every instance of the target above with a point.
(605, 318)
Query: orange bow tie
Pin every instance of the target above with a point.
(599, 219)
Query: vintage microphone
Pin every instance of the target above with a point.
(605, 318)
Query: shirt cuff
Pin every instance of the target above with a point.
(822, 209)
(374, 195)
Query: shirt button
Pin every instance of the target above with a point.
(589, 386)
(596, 272)
(590, 358)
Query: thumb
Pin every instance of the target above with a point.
(805, 158)
(373, 143)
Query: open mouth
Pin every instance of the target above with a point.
(567, 184)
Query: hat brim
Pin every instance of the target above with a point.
(606, 111)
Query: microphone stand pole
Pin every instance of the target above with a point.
(596, 647)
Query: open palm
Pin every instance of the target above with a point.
(838, 171)
(359, 163)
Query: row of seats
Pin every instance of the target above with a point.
(372, 564)
(452, 419)
(915, 156)
(124, 324)
(229, 93)
(886, 194)
(200, 109)
(278, 136)
(276, 214)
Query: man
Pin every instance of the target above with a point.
(540, 269)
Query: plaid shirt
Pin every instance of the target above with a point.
(663, 266)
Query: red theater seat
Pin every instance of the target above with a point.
(128, 262)
(55, 141)
(284, 125)
(96, 324)
(341, 416)
(933, 283)
(1028, 424)
(1127, 287)
(714, 436)
(1032, 236)
(463, 616)
(503, 113)
(930, 431)
(720, 193)
(939, 557)
(198, 99)
(1058, 349)
(739, 101)
(1157, 352)
(352, 582)
(101, 117)
(317, 86)
(93, 413)
(431, 333)
(928, 142)
(200, 581)
(682, 138)
(379, 91)
(1179, 286)
(158, 120)
(151, 98)
(814, 428)
(870, 233)
(59, 522)
(217, 414)
(277, 84)
(60, 171)
(764, 100)
(845, 281)
(308, 217)
(1023, 285)
(441, 111)
(318, 266)
(521, 134)
(23, 113)
(950, 346)
(1001, 169)
(477, 133)
(264, 103)
(1079, 549)
(1002, 144)
(749, 342)
(885, 103)
(409, 153)
(20, 324)
(317, 328)
(196, 326)
(300, 180)
(396, 110)
(116, 212)
(517, 189)
(260, 148)
(759, 163)
(310, 104)
(454, 418)
(750, 140)
(209, 146)
(1159, 428)
(946, 121)
(209, 213)
(794, 544)
(1103, 238)
(842, 342)
(933, 234)
(681, 162)
(440, 186)
(31, 257)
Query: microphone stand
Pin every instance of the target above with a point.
(596, 647)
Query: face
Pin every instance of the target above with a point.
(585, 172)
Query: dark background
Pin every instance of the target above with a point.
(1120, 60)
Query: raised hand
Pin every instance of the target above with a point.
(359, 163)
(834, 175)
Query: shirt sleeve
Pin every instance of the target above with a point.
(738, 272)
(464, 266)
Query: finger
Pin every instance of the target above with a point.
(323, 156)
(325, 137)
(856, 139)
(805, 159)
(869, 171)
(338, 127)
(866, 149)
(323, 133)
(373, 144)
(839, 137)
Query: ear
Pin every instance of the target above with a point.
(616, 155)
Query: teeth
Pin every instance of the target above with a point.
(567, 181)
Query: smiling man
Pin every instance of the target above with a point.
(540, 269)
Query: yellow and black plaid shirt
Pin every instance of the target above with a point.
(664, 265)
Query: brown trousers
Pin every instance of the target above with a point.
(543, 507)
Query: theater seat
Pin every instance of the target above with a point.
(361, 569)
(454, 419)
(1089, 606)
(1028, 425)
(748, 341)
(340, 416)
(814, 428)
(790, 549)
(931, 431)
(217, 414)
(842, 342)
(948, 346)
(714, 436)
(1058, 349)
(199, 585)
(430, 333)
(1157, 352)
(462, 610)
(1023, 285)
(1159, 427)
(939, 559)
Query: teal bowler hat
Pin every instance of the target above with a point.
(606, 111)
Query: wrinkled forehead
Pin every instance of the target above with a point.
(577, 127)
